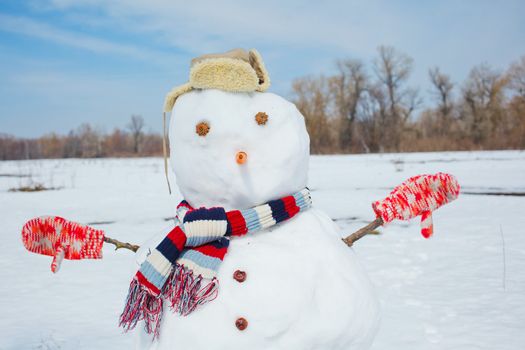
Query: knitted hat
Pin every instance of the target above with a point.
(236, 70)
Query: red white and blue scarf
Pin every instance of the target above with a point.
(182, 269)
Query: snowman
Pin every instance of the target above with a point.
(248, 263)
(281, 278)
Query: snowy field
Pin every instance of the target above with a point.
(463, 289)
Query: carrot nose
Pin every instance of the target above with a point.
(241, 157)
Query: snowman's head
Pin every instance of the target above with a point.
(237, 150)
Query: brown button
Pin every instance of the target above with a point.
(239, 276)
(241, 323)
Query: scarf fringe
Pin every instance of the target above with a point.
(185, 291)
(142, 305)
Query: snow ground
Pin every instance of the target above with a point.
(464, 289)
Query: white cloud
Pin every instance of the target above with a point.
(205, 26)
(30, 27)
(322, 29)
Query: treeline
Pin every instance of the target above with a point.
(85, 142)
(372, 108)
(364, 107)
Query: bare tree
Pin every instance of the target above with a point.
(392, 69)
(516, 107)
(90, 141)
(442, 90)
(373, 120)
(312, 98)
(348, 87)
(72, 146)
(516, 77)
(135, 126)
(483, 97)
(119, 143)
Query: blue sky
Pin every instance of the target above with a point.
(65, 62)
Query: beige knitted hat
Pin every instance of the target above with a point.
(236, 71)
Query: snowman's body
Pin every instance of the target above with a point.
(304, 289)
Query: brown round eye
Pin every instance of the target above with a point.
(202, 129)
(261, 118)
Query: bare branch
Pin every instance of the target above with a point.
(363, 231)
(118, 244)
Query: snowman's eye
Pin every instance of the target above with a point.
(202, 129)
(261, 118)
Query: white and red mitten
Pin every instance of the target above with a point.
(62, 239)
(419, 195)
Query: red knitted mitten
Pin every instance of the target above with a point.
(62, 239)
(419, 195)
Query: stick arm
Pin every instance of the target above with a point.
(118, 244)
(363, 231)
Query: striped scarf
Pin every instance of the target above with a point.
(182, 269)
